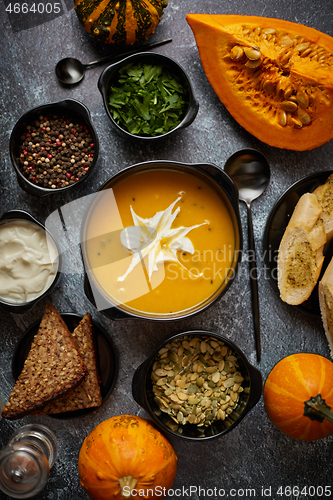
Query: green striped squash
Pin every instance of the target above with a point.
(120, 22)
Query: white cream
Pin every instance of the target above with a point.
(156, 239)
(28, 261)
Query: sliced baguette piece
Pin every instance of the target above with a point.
(324, 194)
(53, 367)
(325, 289)
(88, 393)
(300, 255)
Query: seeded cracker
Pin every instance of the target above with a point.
(53, 366)
(87, 394)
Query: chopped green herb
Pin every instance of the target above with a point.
(147, 100)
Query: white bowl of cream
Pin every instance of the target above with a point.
(29, 260)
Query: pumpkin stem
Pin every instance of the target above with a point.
(317, 409)
(127, 485)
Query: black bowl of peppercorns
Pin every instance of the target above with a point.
(54, 147)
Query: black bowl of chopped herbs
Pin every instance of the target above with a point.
(148, 96)
(54, 147)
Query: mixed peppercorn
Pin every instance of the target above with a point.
(56, 151)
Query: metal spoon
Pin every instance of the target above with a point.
(250, 171)
(70, 70)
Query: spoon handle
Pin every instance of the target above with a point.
(253, 281)
(114, 57)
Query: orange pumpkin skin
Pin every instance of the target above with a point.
(126, 452)
(294, 380)
(253, 96)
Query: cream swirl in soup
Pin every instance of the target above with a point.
(185, 254)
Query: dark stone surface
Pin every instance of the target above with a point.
(255, 454)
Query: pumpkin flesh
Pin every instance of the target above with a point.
(125, 453)
(292, 382)
(120, 22)
(275, 77)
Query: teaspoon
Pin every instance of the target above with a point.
(70, 70)
(250, 171)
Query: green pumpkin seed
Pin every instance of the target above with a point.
(173, 356)
(193, 401)
(211, 369)
(191, 419)
(200, 382)
(192, 389)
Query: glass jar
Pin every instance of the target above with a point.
(26, 461)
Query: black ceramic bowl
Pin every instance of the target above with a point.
(142, 389)
(21, 307)
(68, 107)
(106, 354)
(110, 75)
(276, 224)
(206, 172)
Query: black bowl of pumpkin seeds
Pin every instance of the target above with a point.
(197, 385)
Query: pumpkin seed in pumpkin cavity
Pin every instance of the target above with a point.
(302, 100)
(288, 93)
(302, 46)
(268, 86)
(252, 53)
(304, 116)
(296, 122)
(268, 31)
(289, 106)
(286, 42)
(253, 64)
(283, 119)
(236, 53)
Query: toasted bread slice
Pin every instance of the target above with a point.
(300, 256)
(88, 393)
(324, 194)
(325, 289)
(53, 367)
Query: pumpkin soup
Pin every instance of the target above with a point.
(160, 241)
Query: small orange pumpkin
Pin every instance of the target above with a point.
(298, 396)
(123, 455)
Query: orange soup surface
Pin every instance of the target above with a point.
(175, 286)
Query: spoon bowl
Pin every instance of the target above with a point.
(250, 171)
(70, 70)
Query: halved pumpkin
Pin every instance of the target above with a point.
(275, 77)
